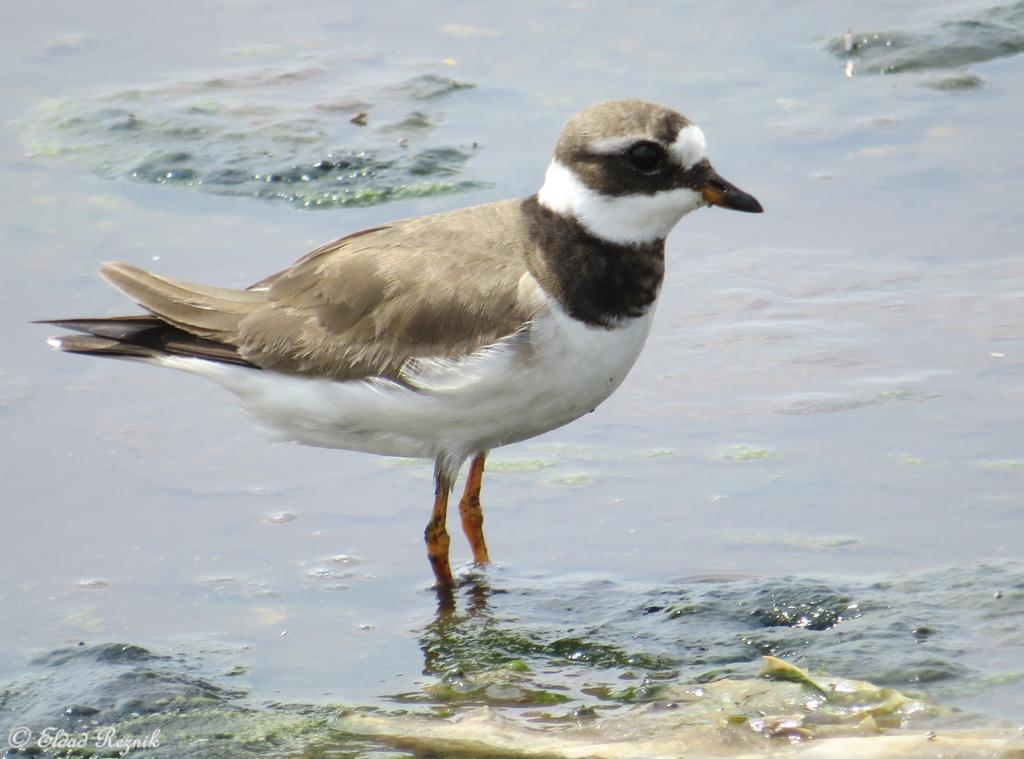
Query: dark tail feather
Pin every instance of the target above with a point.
(101, 346)
(144, 337)
(114, 327)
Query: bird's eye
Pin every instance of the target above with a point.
(646, 156)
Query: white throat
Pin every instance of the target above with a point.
(622, 219)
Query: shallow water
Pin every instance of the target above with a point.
(578, 654)
(827, 412)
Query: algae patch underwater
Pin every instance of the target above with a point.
(245, 134)
(565, 666)
(785, 712)
(136, 692)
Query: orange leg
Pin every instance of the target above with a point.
(472, 514)
(437, 539)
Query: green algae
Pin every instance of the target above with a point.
(85, 620)
(777, 669)
(631, 694)
(783, 711)
(205, 721)
(912, 461)
(517, 466)
(570, 479)
(136, 692)
(656, 453)
(562, 464)
(800, 541)
(845, 699)
(479, 642)
(744, 452)
(826, 541)
(498, 687)
(227, 135)
(1003, 465)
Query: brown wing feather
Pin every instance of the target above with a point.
(210, 312)
(323, 250)
(441, 285)
(364, 305)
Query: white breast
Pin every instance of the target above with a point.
(552, 372)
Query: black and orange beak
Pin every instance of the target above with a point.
(718, 192)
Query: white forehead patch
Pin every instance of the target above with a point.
(623, 219)
(689, 146)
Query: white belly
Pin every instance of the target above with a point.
(552, 373)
